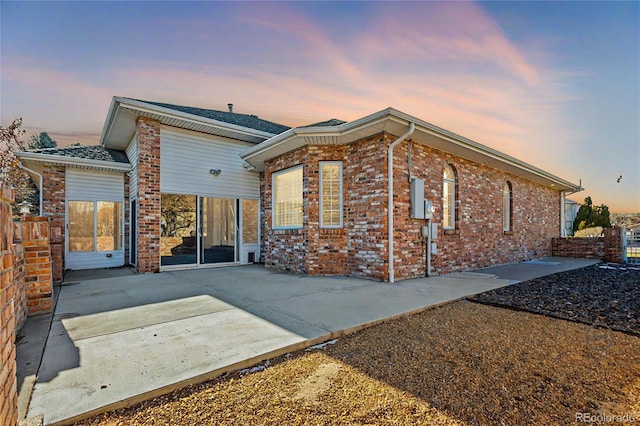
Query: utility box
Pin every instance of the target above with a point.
(417, 199)
(434, 231)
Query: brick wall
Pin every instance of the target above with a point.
(478, 239)
(20, 293)
(8, 381)
(148, 214)
(360, 247)
(613, 245)
(53, 207)
(582, 248)
(37, 266)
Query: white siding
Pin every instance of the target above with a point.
(132, 155)
(88, 185)
(93, 185)
(185, 161)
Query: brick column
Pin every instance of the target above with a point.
(8, 381)
(20, 286)
(148, 137)
(37, 268)
(613, 245)
(53, 206)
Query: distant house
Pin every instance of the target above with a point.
(179, 187)
(570, 212)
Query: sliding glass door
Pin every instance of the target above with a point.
(178, 229)
(198, 230)
(218, 224)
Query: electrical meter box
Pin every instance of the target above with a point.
(417, 199)
(434, 231)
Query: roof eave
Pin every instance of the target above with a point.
(256, 155)
(146, 108)
(73, 161)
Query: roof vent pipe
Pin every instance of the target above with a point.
(230, 107)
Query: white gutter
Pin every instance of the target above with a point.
(41, 189)
(390, 203)
(73, 161)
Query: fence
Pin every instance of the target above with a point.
(608, 247)
(632, 246)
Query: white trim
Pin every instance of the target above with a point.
(320, 195)
(367, 126)
(273, 197)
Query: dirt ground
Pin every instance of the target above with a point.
(462, 363)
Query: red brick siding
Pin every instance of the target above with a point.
(8, 381)
(285, 249)
(53, 206)
(613, 245)
(148, 197)
(37, 265)
(20, 287)
(360, 247)
(582, 248)
(479, 239)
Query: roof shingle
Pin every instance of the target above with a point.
(244, 120)
(95, 152)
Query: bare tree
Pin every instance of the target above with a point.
(11, 139)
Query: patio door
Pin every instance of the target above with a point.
(198, 230)
(218, 230)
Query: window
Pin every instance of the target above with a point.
(81, 226)
(330, 194)
(449, 198)
(95, 226)
(109, 226)
(287, 198)
(506, 206)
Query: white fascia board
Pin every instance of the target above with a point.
(108, 122)
(73, 161)
(155, 109)
(332, 131)
(400, 117)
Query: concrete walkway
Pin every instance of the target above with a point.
(119, 340)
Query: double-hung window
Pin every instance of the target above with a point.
(330, 194)
(287, 198)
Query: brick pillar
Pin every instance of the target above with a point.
(148, 136)
(20, 293)
(53, 206)
(8, 381)
(37, 268)
(613, 245)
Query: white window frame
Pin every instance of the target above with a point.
(452, 203)
(506, 206)
(321, 194)
(274, 200)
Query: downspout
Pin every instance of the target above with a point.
(23, 167)
(563, 219)
(390, 207)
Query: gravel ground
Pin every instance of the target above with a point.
(462, 363)
(602, 295)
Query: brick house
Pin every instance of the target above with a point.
(179, 187)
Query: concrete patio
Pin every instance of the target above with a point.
(119, 340)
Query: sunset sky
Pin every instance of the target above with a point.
(555, 84)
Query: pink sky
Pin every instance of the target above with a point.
(451, 64)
